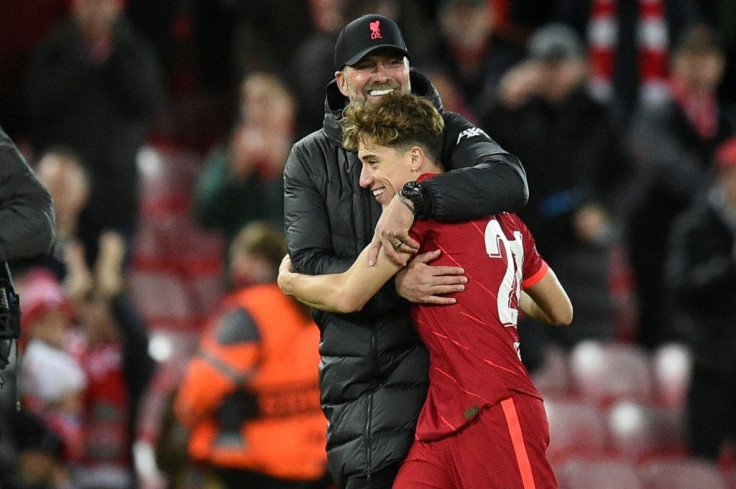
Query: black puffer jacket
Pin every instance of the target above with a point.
(26, 209)
(374, 368)
(26, 216)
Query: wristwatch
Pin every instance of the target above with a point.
(413, 192)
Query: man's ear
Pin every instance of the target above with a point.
(418, 158)
(341, 82)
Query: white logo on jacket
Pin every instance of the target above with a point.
(470, 132)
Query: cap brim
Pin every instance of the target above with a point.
(362, 54)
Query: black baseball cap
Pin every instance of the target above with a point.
(364, 35)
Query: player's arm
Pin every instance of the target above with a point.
(547, 301)
(481, 179)
(341, 292)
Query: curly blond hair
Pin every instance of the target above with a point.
(398, 120)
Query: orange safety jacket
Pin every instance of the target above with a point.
(265, 347)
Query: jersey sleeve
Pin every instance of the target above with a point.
(534, 268)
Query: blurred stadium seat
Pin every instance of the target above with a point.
(638, 431)
(552, 377)
(678, 473)
(576, 428)
(605, 372)
(597, 473)
(671, 365)
(176, 267)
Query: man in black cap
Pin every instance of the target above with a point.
(373, 377)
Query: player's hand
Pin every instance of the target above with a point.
(286, 274)
(286, 265)
(422, 283)
(392, 233)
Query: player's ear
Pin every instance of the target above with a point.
(418, 157)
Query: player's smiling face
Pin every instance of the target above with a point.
(377, 74)
(384, 170)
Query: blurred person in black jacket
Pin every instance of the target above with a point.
(701, 274)
(577, 170)
(470, 51)
(673, 143)
(95, 85)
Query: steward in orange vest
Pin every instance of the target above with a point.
(250, 395)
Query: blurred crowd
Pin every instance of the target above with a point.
(161, 130)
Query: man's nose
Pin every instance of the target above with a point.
(365, 178)
(381, 72)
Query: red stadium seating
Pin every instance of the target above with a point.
(552, 377)
(176, 267)
(676, 473)
(671, 365)
(576, 428)
(606, 372)
(597, 473)
(638, 431)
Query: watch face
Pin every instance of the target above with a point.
(412, 189)
(413, 192)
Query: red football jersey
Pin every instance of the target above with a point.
(475, 359)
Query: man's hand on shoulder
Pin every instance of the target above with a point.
(422, 283)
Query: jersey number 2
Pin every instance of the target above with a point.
(498, 246)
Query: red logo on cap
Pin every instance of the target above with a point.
(375, 29)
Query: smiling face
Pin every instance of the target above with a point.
(386, 169)
(377, 74)
(398, 137)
